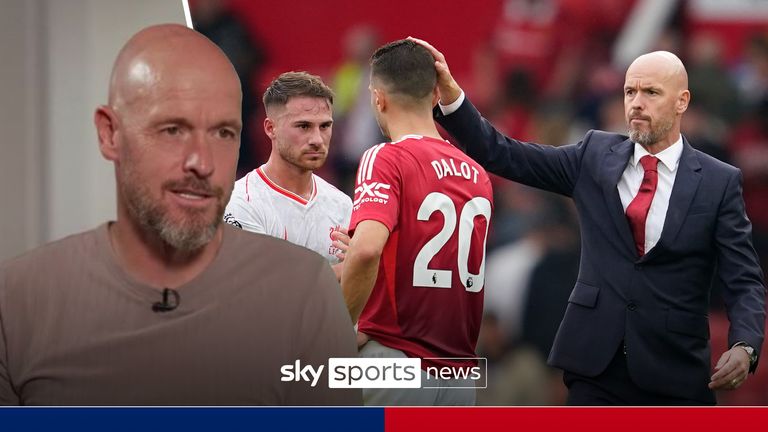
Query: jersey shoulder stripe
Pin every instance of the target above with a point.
(366, 163)
(369, 169)
(247, 195)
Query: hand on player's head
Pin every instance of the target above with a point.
(448, 87)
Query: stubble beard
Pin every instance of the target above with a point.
(653, 136)
(186, 234)
(296, 160)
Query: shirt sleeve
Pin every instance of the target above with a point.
(7, 394)
(241, 214)
(377, 188)
(453, 106)
(739, 270)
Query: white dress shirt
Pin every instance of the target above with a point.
(629, 184)
(452, 107)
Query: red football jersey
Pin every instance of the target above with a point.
(436, 202)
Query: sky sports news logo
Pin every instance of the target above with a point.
(389, 372)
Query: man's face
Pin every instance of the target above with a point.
(650, 100)
(178, 157)
(301, 131)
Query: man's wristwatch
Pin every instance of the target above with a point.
(751, 352)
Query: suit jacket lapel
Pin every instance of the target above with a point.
(686, 184)
(613, 166)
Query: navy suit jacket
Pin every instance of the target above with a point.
(656, 305)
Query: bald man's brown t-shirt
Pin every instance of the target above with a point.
(75, 329)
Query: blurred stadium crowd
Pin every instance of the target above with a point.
(540, 70)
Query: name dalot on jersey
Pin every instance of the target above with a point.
(371, 192)
(446, 168)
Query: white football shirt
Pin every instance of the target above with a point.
(260, 205)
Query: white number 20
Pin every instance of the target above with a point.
(423, 276)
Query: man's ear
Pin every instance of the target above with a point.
(682, 101)
(435, 96)
(269, 128)
(379, 100)
(106, 123)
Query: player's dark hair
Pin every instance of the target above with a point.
(293, 84)
(405, 68)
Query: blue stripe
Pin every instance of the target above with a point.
(192, 419)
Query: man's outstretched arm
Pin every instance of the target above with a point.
(554, 169)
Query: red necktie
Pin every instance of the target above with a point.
(637, 211)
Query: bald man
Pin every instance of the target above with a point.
(658, 221)
(167, 305)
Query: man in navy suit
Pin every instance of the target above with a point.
(658, 221)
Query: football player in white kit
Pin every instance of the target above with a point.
(284, 198)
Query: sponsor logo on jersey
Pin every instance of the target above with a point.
(333, 250)
(228, 218)
(332, 229)
(371, 192)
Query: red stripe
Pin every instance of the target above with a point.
(282, 191)
(574, 419)
(247, 196)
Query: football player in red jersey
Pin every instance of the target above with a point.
(414, 273)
